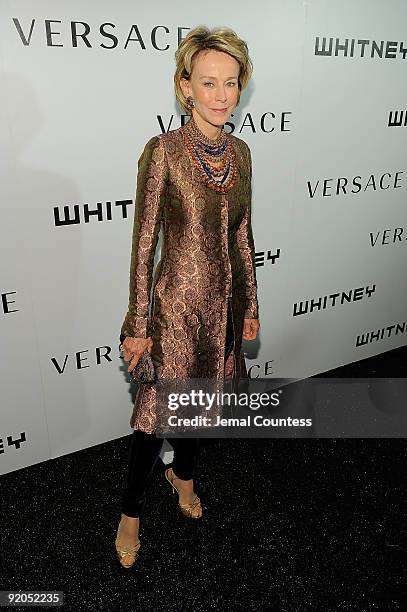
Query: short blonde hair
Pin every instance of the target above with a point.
(219, 39)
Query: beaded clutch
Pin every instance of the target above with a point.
(144, 371)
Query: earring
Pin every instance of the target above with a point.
(190, 101)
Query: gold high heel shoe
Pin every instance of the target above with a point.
(186, 509)
(123, 551)
(132, 551)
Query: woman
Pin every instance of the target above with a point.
(194, 182)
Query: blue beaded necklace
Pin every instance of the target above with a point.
(204, 152)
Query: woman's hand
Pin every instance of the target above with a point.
(250, 329)
(132, 349)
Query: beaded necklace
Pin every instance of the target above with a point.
(204, 152)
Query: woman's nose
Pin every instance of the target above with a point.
(221, 94)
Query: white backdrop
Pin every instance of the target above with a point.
(84, 86)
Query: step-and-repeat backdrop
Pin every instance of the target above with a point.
(84, 86)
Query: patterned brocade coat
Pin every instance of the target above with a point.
(207, 260)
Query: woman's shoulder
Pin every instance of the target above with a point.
(160, 143)
(162, 147)
(239, 142)
(165, 139)
(243, 148)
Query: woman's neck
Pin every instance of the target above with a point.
(210, 131)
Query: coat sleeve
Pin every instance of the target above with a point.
(246, 247)
(149, 203)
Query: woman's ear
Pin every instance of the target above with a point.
(185, 87)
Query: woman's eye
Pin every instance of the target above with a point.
(230, 83)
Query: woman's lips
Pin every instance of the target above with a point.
(217, 110)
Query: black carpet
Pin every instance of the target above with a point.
(289, 525)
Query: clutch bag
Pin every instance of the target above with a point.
(144, 371)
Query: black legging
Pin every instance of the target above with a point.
(145, 449)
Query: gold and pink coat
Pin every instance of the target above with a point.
(207, 259)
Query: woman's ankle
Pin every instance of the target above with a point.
(130, 520)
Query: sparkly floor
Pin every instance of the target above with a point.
(289, 525)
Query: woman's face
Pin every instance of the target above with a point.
(213, 85)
